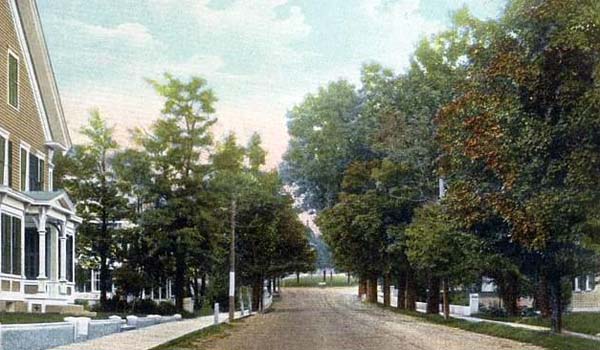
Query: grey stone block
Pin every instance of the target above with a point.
(102, 328)
(37, 336)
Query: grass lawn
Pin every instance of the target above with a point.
(22, 317)
(197, 339)
(579, 322)
(543, 339)
(314, 280)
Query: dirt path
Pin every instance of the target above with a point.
(332, 319)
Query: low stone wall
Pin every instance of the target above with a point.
(39, 336)
(42, 336)
(101, 328)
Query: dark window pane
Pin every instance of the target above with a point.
(33, 173)
(23, 169)
(2, 158)
(10, 163)
(16, 246)
(13, 81)
(32, 248)
(6, 244)
(70, 258)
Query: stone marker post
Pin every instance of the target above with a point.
(216, 313)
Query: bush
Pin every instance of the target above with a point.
(492, 311)
(166, 308)
(83, 302)
(145, 307)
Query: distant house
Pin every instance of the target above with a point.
(37, 222)
(586, 294)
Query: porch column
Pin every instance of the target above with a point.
(63, 252)
(42, 250)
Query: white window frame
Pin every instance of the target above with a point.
(16, 56)
(6, 135)
(577, 288)
(27, 148)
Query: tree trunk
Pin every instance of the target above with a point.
(411, 291)
(362, 287)
(372, 290)
(203, 285)
(179, 276)
(256, 290)
(542, 297)
(446, 296)
(197, 298)
(386, 290)
(348, 283)
(433, 295)
(401, 287)
(103, 277)
(324, 275)
(510, 293)
(298, 278)
(556, 303)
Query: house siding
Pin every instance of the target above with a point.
(24, 124)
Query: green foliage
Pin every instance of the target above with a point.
(327, 133)
(436, 244)
(87, 174)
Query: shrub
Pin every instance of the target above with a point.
(166, 308)
(145, 306)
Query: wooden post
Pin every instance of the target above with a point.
(446, 297)
(232, 264)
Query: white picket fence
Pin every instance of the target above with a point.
(457, 310)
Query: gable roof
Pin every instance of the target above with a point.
(43, 75)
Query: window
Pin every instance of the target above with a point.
(11, 244)
(32, 255)
(36, 173)
(10, 163)
(32, 171)
(2, 159)
(24, 161)
(70, 258)
(13, 80)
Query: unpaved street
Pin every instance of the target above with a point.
(332, 319)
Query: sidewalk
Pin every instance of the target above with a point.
(150, 337)
(525, 326)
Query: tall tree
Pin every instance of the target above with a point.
(175, 146)
(327, 134)
(88, 176)
(522, 138)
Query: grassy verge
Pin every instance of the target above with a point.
(196, 339)
(580, 322)
(313, 281)
(546, 340)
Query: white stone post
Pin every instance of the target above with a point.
(216, 313)
(473, 304)
(241, 295)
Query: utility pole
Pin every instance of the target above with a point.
(232, 263)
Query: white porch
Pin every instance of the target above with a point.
(37, 250)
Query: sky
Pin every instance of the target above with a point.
(261, 57)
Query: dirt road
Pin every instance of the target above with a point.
(332, 319)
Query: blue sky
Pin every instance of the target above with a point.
(261, 56)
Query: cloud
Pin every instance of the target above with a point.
(395, 27)
(134, 34)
